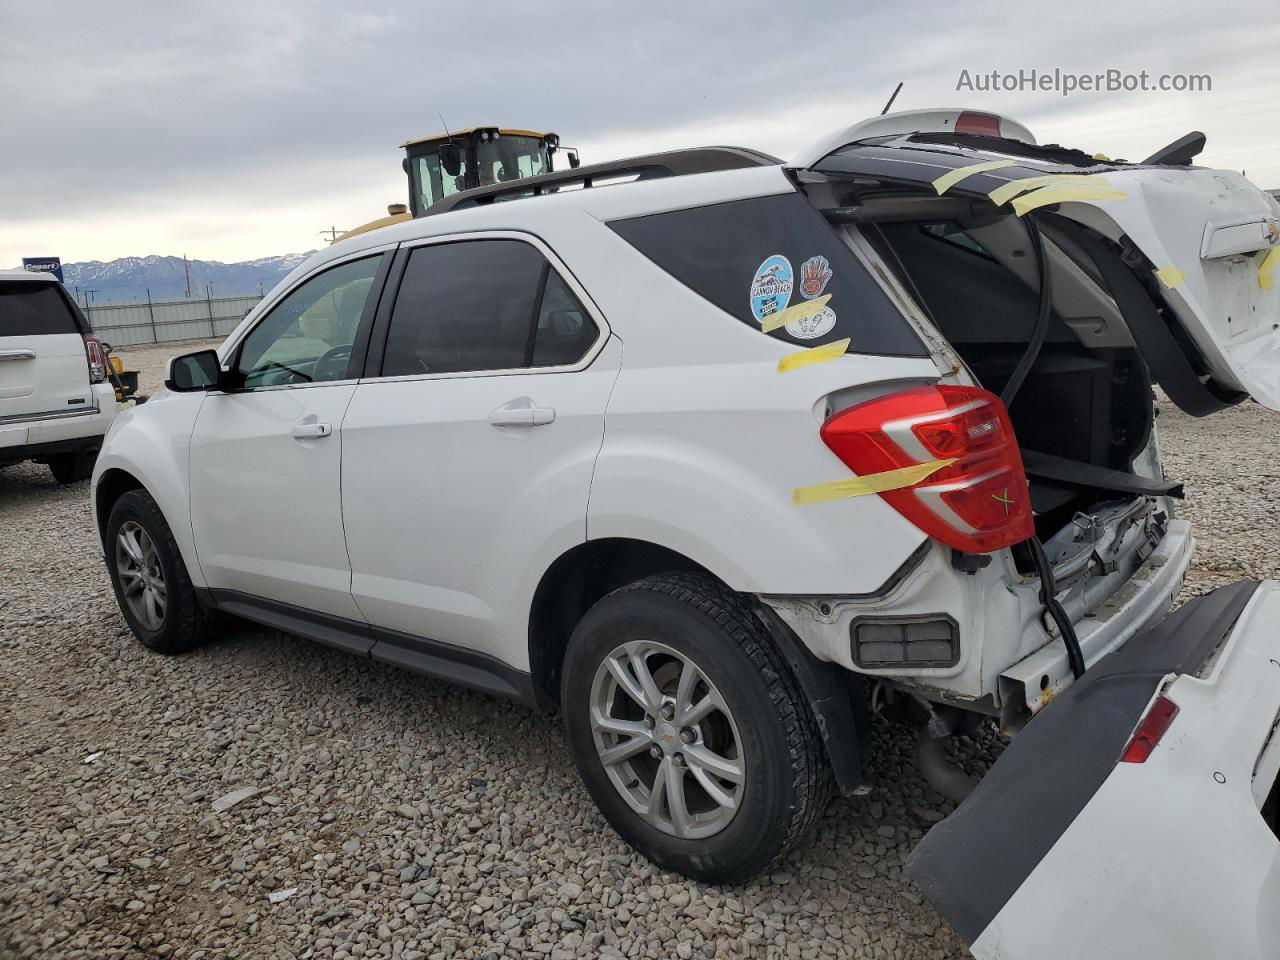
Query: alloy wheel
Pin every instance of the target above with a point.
(141, 575)
(667, 740)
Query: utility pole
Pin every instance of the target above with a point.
(151, 311)
(333, 233)
(208, 298)
(186, 269)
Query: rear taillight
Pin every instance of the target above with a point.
(978, 124)
(978, 502)
(1150, 729)
(97, 358)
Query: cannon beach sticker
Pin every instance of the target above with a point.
(771, 286)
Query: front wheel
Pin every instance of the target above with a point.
(150, 578)
(688, 730)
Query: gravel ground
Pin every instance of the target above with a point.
(405, 818)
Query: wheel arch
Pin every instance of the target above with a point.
(113, 484)
(587, 572)
(572, 584)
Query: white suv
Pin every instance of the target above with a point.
(55, 402)
(718, 459)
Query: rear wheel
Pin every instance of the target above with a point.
(73, 467)
(150, 579)
(690, 733)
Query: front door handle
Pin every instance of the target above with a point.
(522, 413)
(311, 431)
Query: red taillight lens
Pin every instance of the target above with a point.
(97, 358)
(1150, 729)
(977, 504)
(979, 124)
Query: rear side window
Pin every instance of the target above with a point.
(34, 309)
(754, 258)
(565, 331)
(478, 305)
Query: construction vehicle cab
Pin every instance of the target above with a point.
(450, 163)
(477, 157)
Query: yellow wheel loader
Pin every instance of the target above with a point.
(449, 163)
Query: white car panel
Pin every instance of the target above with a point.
(41, 375)
(1173, 216)
(1171, 857)
(934, 120)
(266, 509)
(451, 520)
(151, 444)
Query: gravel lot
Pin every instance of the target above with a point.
(411, 819)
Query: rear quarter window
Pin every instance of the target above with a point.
(753, 258)
(34, 309)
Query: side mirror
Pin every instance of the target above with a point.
(192, 372)
(451, 159)
(574, 162)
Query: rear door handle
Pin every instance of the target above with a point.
(521, 413)
(17, 354)
(311, 431)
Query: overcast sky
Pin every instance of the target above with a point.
(229, 130)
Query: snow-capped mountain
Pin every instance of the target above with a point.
(128, 279)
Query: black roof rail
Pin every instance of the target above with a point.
(674, 163)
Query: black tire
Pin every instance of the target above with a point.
(186, 623)
(787, 781)
(73, 467)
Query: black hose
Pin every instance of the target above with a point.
(1041, 329)
(1048, 597)
(946, 778)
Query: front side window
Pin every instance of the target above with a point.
(478, 305)
(308, 336)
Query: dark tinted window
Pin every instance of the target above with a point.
(472, 305)
(31, 309)
(753, 258)
(565, 330)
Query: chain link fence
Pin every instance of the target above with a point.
(123, 325)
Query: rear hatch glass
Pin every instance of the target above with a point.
(34, 309)
(756, 258)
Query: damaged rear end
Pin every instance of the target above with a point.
(1136, 810)
(1138, 815)
(1070, 286)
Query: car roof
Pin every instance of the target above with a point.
(41, 277)
(606, 202)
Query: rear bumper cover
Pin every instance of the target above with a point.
(1061, 851)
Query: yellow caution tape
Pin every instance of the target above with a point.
(871, 483)
(1170, 276)
(1064, 194)
(951, 178)
(1002, 195)
(807, 358)
(1266, 272)
(799, 311)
